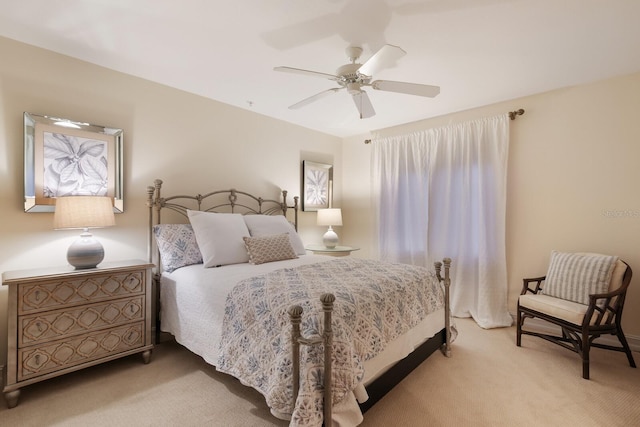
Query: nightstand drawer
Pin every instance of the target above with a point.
(54, 325)
(40, 360)
(70, 291)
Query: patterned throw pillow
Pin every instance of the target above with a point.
(574, 276)
(177, 245)
(263, 249)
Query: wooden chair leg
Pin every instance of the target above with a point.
(585, 355)
(625, 345)
(519, 328)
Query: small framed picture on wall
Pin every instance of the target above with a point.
(317, 183)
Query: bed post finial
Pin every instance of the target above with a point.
(446, 347)
(158, 184)
(295, 210)
(284, 203)
(150, 191)
(295, 315)
(327, 307)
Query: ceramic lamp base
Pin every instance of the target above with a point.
(86, 252)
(330, 238)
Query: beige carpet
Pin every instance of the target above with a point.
(488, 382)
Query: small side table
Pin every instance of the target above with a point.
(337, 251)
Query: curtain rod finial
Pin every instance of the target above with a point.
(513, 114)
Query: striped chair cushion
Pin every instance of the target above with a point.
(574, 276)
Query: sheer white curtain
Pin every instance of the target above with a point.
(442, 193)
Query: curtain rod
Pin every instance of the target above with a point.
(512, 116)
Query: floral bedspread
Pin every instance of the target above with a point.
(375, 303)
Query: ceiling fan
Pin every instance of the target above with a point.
(354, 77)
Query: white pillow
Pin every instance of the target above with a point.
(219, 237)
(266, 225)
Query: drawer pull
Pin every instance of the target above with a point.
(39, 326)
(37, 295)
(130, 336)
(132, 309)
(37, 359)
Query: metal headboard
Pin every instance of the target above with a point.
(224, 201)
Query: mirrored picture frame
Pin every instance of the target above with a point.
(64, 157)
(317, 183)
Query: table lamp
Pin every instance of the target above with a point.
(84, 212)
(330, 217)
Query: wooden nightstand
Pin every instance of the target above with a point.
(337, 251)
(61, 320)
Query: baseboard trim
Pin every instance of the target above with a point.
(539, 325)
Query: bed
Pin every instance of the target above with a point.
(234, 285)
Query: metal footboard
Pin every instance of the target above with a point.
(446, 280)
(326, 339)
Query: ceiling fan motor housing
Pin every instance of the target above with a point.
(348, 71)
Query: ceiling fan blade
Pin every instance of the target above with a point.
(306, 72)
(383, 58)
(363, 104)
(313, 98)
(408, 88)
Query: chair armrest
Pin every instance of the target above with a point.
(537, 280)
(608, 305)
(614, 293)
(607, 296)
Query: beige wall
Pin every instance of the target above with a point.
(572, 160)
(169, 134)
(572, 182)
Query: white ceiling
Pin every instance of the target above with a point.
(478, 51)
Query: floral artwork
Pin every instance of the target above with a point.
(64, 157)
(74, 166)
(317, 180)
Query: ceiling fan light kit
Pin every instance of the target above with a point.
(353, 88)
(354, 76)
